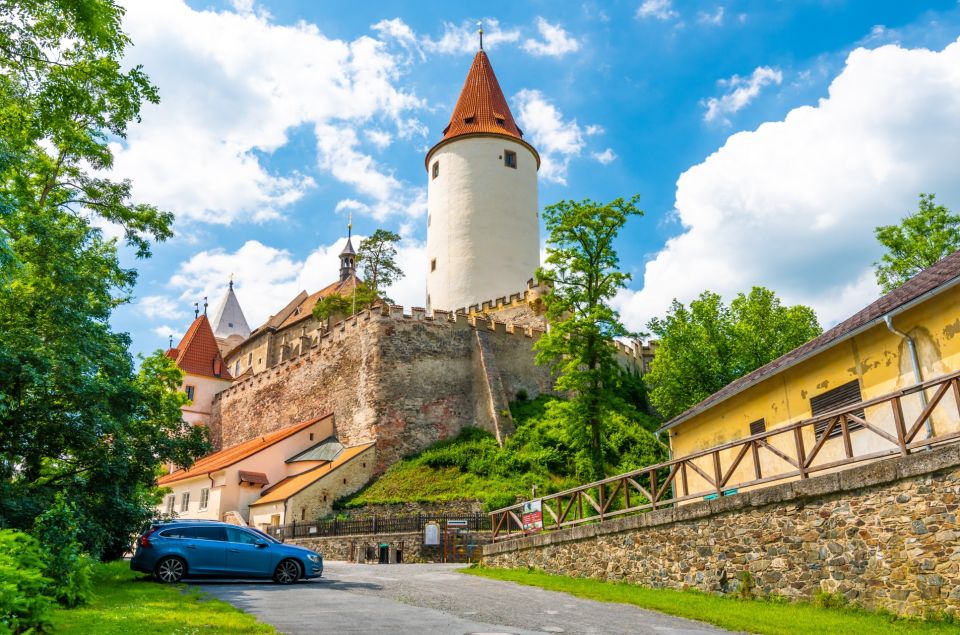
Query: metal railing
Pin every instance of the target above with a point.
(375, 525)
(666, 484)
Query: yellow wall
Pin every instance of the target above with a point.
(877, 359)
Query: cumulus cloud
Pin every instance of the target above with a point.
(234, 86)
(160, 306)
(463, 38)
(556, 41)
(711, 19)
(606, 157)
(267, 278)
(166, 332)
(657, 9)
(740, 92)
(557, 139)
(792, 205)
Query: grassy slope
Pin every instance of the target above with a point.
(128, 602)
(755, 616)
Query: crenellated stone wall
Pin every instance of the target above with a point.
(883, 534)
(402, 380)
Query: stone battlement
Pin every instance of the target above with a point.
(345, 328)
(534, 289)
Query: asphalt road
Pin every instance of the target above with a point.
(433, 598)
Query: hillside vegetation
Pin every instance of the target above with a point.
(547, 450)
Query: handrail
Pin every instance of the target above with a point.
(643, 482)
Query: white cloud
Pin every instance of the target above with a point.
(556, 139)
(235, 86)
(606, 157)
(657, 9)
(165, 332)
(463, 38)
(160, 306)
(556, 41)
(267, 278)
(792, 205)
(380, 138)
(740, 92)
(592, 129)
(711, 19)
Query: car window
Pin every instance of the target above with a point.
(266, 537)
(177, 532)
(208, 533)
(241, 536)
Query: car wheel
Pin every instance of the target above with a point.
(288, 572)
(170, 570)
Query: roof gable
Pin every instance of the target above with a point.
(232, 455)
(298, 482)
(198, 352)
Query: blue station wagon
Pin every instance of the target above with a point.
(178, 549)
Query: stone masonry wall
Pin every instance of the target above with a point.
(404, 381)
(884, 534)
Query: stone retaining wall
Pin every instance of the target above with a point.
(354, 548)
(884, 534)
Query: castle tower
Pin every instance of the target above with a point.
(482, 224)
(348, 258)
(228, 319)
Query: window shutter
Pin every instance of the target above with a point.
(758, 426)
(845, 395)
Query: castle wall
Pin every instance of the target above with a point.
(404, 381)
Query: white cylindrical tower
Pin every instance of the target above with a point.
(482, 225)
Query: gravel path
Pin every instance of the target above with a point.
(434, 598)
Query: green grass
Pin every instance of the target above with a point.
(127, 602)
(753, 616)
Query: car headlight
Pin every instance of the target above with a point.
(314, 558)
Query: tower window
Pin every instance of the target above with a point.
(237, 369)
(510, 159)
(189, 390)
(469, 120)
(500, 122)
(433, 264)
(436, 169)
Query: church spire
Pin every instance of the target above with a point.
(348, 257)
(228, 318)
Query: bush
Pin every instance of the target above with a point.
(68, 567)
(24, 605)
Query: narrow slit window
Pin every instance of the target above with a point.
(510, 159)
(846, 395)
(436, 169)
(433, 264)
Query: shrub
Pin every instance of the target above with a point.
(69, 568)
(24, 605)
(745, 590)
(826, 600)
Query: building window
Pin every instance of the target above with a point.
(436, 169)
(204, 497)
(303, 513)
(510, 159)
(237, 369)
(249, 359)
(433, 264)
(189, 390)
(501, 121)
(469, 119)
(758, 426)
(845, 395)
(171, 501)
(311, 436)
(185, 502)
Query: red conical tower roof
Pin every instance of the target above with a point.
(482, 109)
(482, 106)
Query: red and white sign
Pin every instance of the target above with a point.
(532, 516)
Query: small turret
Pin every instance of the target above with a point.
(348, 258)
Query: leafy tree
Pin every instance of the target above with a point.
(707, 345)
(581, 271)
(377, 259)
(336, 305)
(921, 239)
(75, 415)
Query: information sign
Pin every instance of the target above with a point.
(532, 516)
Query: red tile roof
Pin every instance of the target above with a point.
(482, 108)
(229, 456)
(301, 307)
(927, 281)
(198, 352)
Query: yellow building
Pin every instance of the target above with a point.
(910, 335)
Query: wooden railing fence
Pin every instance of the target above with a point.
(666, 484)
(375, 525)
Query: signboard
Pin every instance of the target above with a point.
(456, 523)
(431, 534)
(532, 516)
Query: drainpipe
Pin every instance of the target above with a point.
(915, 360)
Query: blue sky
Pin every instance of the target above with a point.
(766, 139)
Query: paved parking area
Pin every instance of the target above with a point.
(433, 598)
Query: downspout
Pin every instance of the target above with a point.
(917, 373)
